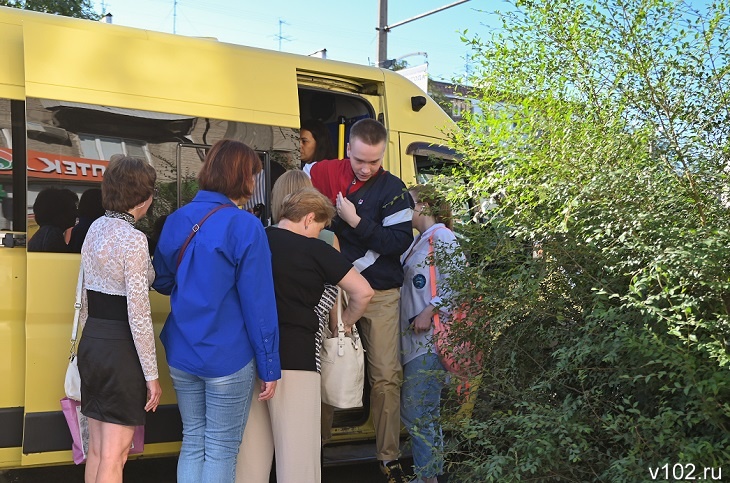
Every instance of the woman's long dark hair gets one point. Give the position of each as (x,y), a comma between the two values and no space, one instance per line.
(324,149)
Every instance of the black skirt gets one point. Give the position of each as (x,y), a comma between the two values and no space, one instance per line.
(113,388)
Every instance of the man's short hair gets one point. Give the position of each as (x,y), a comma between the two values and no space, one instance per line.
(369,131)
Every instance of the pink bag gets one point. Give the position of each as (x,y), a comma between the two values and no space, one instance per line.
(78,424)
(460,359)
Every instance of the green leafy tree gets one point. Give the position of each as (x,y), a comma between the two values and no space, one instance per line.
(599,275)
(441,99)
(68,8)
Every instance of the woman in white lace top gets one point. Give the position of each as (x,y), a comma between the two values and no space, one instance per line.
(117,359)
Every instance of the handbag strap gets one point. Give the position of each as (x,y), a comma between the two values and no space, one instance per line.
(195,229)
(341,327)
(77,310)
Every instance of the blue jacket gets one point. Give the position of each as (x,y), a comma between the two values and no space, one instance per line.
(223,309)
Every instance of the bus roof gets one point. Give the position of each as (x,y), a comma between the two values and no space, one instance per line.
(55,57)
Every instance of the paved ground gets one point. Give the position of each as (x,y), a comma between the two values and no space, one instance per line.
(162,470)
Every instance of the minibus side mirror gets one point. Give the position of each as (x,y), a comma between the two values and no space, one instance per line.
(417,103)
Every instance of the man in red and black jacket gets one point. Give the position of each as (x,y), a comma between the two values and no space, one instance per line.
(374,227)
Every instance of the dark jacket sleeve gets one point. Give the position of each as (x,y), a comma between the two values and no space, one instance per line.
(394,234)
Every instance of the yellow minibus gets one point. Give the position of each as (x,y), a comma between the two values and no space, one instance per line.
(73,93)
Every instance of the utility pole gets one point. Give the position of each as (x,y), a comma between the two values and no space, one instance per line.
(174,16)
(382,32)
(383,28)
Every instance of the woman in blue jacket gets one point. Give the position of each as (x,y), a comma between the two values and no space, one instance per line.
(222,325)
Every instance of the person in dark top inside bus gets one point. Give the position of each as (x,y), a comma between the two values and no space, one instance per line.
(154,237)
(257,202)
(55,212)
(315,144)
(90,208)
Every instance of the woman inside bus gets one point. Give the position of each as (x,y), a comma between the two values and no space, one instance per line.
(90,208)
(117,358)
(55,212)
(423,374)
(315,144)
(290,422)
(222,326)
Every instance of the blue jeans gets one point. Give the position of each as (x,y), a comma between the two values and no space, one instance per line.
(214,411)
(423,379)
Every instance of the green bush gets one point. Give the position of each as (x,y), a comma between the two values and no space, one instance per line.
(599,276)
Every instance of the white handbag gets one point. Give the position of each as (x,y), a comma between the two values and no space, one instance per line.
(343,366)
(73,379)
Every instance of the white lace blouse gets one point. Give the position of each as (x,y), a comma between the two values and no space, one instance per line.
(116,261)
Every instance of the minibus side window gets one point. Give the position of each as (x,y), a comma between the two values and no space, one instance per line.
(70,145)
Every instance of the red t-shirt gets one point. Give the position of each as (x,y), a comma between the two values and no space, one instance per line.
(332,176)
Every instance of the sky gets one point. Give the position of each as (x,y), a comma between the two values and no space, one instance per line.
(346,28)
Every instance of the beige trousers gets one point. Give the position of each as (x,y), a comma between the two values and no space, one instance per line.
(288,423)
(380,331)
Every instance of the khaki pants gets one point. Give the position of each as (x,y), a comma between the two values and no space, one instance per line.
(288,423)
(380,331)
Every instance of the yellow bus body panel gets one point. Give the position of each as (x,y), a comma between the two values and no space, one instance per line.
(218,83)
(11,62)
(48,322)
(430,121)
(12,315)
